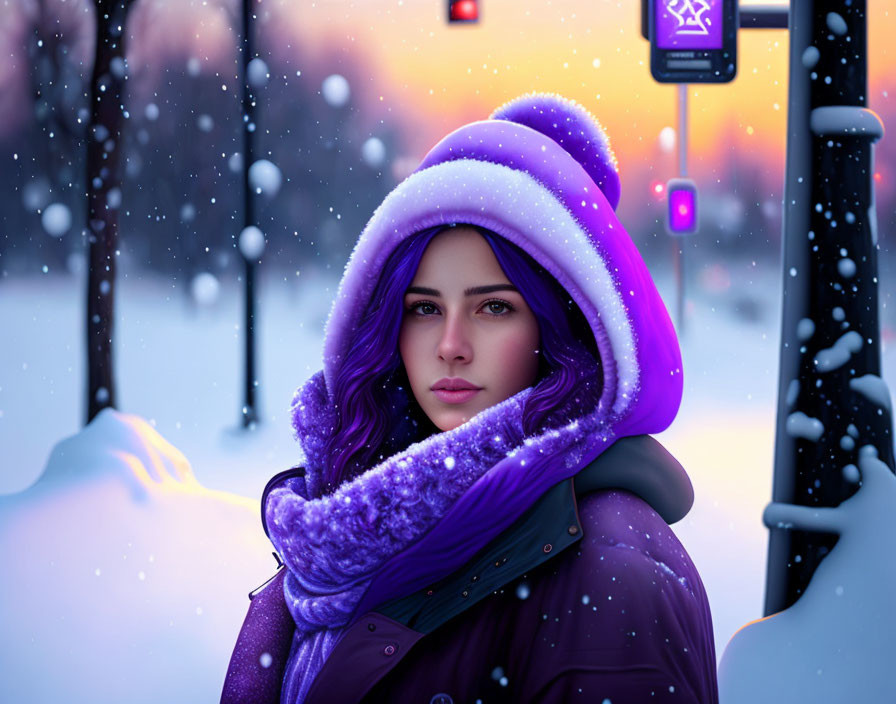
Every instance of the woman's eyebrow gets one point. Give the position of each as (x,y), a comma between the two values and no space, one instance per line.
(474,291)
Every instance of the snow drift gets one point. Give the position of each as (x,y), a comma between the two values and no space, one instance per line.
(836,643)
(124,579)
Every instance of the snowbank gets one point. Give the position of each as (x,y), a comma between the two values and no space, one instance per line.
(124,579)
(836,643)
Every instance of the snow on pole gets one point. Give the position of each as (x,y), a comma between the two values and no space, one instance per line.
(830,323)
(835,644)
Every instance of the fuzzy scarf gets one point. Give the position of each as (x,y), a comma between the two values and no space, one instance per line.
(408,521)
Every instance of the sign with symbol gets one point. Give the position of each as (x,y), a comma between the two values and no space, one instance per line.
(689,24)
(693,41)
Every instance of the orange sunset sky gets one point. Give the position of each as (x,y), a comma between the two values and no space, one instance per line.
(441,76)
(406,62)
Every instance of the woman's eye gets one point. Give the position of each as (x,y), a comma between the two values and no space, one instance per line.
(425,308)
(499,307)
(422,308)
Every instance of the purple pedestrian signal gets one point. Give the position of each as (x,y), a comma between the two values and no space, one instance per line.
(682,200)
(689,24)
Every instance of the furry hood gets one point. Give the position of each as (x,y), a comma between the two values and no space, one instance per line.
(540,173)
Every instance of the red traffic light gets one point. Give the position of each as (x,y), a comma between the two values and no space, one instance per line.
(463,11)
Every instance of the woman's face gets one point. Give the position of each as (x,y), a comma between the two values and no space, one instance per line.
(465,325)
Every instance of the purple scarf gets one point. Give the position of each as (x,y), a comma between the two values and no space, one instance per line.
(408,521)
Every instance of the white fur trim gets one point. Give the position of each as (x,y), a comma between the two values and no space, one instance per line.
(507,201)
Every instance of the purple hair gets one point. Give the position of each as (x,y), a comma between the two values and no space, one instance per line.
(377,413)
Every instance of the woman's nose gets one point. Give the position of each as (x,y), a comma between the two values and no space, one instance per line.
(455,340)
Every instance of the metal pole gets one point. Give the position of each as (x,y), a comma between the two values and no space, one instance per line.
(682,172)
(830,351)
(763,17)
(683,130)
(250,412)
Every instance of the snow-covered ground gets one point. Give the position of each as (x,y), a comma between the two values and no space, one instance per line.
(178,367)
(124,580)
(836,643)
(116,571)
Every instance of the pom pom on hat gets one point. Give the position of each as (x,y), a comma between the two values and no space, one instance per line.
(573,128)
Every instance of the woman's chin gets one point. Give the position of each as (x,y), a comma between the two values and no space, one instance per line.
(454,418)
(446,425)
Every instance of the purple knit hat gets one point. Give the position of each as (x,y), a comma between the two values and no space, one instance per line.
(540,173)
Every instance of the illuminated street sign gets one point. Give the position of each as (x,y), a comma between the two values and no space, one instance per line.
(693,41)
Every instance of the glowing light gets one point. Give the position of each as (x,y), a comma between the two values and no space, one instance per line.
(667,139)
(682,207)
(163,468)
(464,11)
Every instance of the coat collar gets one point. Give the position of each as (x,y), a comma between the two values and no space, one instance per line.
(638,464)
(377,641)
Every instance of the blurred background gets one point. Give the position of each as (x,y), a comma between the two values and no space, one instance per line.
(351,95)
(355,94)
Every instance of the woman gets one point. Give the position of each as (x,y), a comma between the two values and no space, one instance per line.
(480,515)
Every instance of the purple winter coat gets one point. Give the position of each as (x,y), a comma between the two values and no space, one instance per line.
(588,597)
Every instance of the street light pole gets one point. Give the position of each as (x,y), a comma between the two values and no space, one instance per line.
(831,400)
(250,412)
(682,173)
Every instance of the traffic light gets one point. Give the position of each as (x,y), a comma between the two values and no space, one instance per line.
(463,10)
(681,213)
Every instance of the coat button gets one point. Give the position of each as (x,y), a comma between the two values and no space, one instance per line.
(548,547)
(429,592)
(441,699)
(465,593)
(573,530)
(389,650)
(371,627)
(474,578)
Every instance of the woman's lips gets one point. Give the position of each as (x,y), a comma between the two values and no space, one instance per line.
(458,396)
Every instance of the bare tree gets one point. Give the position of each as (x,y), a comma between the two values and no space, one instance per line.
(58,40)
(104,197)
